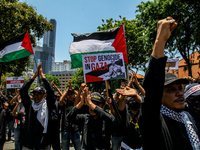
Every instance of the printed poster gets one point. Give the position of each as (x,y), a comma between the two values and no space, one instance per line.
(172,64)
(101,67)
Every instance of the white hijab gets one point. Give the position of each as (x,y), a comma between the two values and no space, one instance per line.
(42,113)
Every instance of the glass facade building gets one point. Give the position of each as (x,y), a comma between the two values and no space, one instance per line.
(47,56)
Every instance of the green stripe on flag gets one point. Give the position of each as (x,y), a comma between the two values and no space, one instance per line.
(15,55)
(77,58)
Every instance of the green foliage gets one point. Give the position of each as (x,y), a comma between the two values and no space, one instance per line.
(15,19)
(3,79)
(8,74)
(51,78)
(33,86)
(185,38)
(77,79)
(137,49)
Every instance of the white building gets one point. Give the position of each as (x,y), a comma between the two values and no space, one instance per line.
(63,71)
(29,74)
(63,66)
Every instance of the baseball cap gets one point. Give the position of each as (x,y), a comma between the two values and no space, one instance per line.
(171,78)
(39,89)
(130,100)
(192,90)
(70,91)
(95,96)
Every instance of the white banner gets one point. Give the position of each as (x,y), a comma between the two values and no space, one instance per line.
(172,64)
(100,67)
(14,82)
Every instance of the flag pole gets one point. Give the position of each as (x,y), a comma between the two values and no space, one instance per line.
(107,88)
(127,64)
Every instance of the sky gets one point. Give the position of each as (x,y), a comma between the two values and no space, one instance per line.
(80,16)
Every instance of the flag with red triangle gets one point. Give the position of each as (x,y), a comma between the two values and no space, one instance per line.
(107,41)
(16,48)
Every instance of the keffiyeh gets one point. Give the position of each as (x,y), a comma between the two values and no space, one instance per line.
(42,113)
(183,118)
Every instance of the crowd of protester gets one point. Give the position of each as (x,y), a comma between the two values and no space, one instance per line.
(161,113)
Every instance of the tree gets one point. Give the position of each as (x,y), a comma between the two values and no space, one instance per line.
(77,78)
(15,19)
(137,49)
(33,85)
(51,78)
(185,38)
(3,79)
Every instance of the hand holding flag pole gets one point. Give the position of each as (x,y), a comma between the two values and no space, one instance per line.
(107,87)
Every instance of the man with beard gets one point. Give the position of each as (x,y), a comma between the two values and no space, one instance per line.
(69,130)
(163,123)
(192,96)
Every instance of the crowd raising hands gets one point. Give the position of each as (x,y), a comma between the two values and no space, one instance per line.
(162,112)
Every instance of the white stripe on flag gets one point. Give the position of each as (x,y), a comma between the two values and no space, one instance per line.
(88,46)
(11,48)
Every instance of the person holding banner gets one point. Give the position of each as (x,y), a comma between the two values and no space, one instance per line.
(163,122)
(98,125)
(37,129)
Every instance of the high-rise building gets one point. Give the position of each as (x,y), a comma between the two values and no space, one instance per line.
(36,58)
(47,56)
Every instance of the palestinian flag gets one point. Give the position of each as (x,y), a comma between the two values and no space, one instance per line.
(16,48)
(107,41)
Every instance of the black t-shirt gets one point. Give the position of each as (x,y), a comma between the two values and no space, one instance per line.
(20,119)
(132,136)
(66,125)
(98,134)
(9,117)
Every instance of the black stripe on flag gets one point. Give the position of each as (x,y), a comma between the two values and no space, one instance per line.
(12,41)
(99,35)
